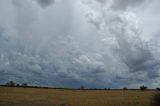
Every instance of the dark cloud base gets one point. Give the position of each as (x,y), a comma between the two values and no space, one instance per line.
(45,3)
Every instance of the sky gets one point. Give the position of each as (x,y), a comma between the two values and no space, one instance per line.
(70,43)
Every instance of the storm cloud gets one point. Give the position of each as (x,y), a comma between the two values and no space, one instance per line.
(121,28)
(95,43)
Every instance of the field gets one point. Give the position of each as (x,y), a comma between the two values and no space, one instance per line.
(62,97)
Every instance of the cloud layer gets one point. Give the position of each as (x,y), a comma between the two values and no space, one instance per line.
(95,43)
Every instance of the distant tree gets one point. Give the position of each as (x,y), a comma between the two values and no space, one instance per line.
(158,89)
(105,88)
(24,85)
(82,87)
(94,88)
(125,88)
(143,88)
(11,84)
(17,85)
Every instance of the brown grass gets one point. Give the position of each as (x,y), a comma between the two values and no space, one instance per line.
(53,97)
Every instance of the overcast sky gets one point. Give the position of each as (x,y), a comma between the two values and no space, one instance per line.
(69,43)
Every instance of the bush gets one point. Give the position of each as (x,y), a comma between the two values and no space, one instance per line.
(156,100)
(82,88)
(105,88)
(143,88)
(125,88)
(11,84)
(24,85)
(158,89)
(17,85)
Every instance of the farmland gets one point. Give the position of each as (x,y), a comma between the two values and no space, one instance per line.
(63,97)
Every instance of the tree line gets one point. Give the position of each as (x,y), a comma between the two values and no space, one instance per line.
(13,84)
(25,85)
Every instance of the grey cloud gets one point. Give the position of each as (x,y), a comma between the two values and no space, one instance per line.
(133,52)
(102,1)
(122,4)
(139,58)
(23,58)
(45,3)
(17,3)
(125,4)
(64,50)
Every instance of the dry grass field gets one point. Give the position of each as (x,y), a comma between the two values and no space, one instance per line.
(60,97)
